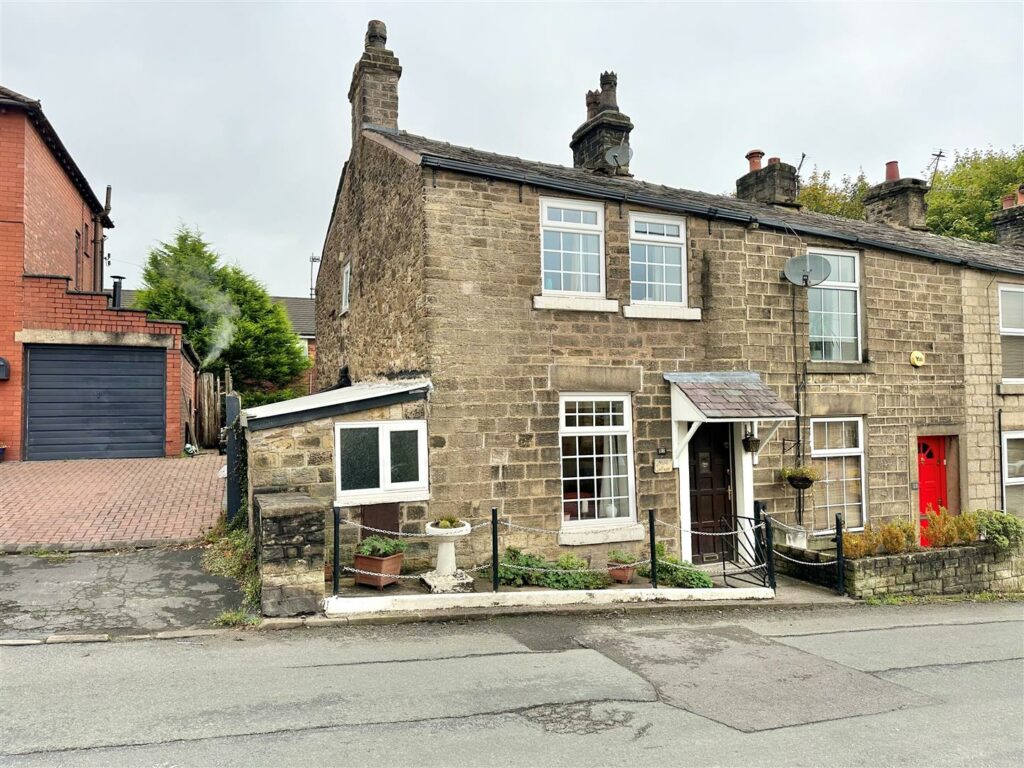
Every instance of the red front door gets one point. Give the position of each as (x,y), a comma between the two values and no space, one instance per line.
(931,475)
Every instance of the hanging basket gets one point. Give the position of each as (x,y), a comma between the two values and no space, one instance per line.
(751,444)
(800,482)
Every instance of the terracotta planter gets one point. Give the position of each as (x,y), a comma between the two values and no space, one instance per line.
(800,483)
(385,570)
(623,574)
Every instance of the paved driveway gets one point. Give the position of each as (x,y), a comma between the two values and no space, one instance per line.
(97,504)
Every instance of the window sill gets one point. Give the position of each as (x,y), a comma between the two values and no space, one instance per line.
(377,496)
(575,303)
(1011,388)
(828,368)
(661,312)
(580,536)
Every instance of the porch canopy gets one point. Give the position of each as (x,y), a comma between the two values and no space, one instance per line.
(723,396)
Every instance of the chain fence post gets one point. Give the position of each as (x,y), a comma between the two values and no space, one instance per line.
(769,543)
(840,559)
(494,549)
(654,549)
(336,576)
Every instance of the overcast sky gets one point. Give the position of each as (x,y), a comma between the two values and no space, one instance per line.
(235,118)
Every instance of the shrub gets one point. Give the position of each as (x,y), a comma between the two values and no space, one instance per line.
(1002,529)
(941,530)
(966,524)
(618,557)
(862,544)
(577,576)
(378,546)
(448,521)
(673,572)
(518,576)
(898,536)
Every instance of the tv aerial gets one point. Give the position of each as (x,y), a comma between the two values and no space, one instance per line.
(807,270)
(619,156)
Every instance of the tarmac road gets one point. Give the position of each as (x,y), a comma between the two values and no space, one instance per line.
(912,685)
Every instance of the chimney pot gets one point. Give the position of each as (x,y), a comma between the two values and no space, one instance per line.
(754,158)
(892,170)
(376,34)
(774,160)
(593,103)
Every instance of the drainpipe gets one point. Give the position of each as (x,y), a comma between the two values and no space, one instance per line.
(97,244)
(999,453)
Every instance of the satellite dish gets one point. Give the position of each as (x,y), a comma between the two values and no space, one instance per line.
(807,270)
(619,156)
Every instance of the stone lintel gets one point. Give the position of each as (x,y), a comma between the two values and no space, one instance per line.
(103,338)
(595,378)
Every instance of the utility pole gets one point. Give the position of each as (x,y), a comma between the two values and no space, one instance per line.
(936,159)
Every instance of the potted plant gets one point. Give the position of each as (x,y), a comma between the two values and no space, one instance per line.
(801,477)
(380,559)
(621,566)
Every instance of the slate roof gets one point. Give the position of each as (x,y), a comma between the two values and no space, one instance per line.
(34,111)
(440,154)
(301,311)
(737,395)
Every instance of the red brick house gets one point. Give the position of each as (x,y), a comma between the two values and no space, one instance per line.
(79,376)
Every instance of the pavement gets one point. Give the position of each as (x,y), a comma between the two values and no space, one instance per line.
(98,504)
(928,685)
(112,593)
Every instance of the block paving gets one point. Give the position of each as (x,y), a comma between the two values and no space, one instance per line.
(105,503)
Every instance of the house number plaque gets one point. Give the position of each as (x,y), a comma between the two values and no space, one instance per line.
(662,465)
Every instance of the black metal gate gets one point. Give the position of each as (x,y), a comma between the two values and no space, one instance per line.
(744,551)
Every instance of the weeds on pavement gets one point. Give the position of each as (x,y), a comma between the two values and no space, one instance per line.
(231,552)
(974,597)
(53,557)
(237,618)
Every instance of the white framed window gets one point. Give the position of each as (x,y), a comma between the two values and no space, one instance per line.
(304,344)
(833,309)
(572,248)
(1011,331)
(1013,473)
(596,437)
(657,259)
(837,449)
(380,461)
(346,285)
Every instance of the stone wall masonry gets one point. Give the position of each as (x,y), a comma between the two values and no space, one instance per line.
(300,459)
(496,410)
(290,550)
(378,228)
(977,568)
(985,393)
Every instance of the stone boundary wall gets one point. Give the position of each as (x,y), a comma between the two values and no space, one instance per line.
(290,550)
(821,575)
(975,568)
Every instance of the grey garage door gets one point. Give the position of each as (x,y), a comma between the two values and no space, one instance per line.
(95,402)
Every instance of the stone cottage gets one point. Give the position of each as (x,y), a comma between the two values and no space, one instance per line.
(583,346)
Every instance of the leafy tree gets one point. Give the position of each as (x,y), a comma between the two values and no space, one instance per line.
(964,197)
(230,317)
(846,199)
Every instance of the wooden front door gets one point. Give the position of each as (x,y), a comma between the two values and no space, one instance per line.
(711,508)
(931,476)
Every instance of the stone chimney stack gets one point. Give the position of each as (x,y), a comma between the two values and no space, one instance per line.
(605,127)
(1009,222)
(897,201)
(774,183)
(374,89)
